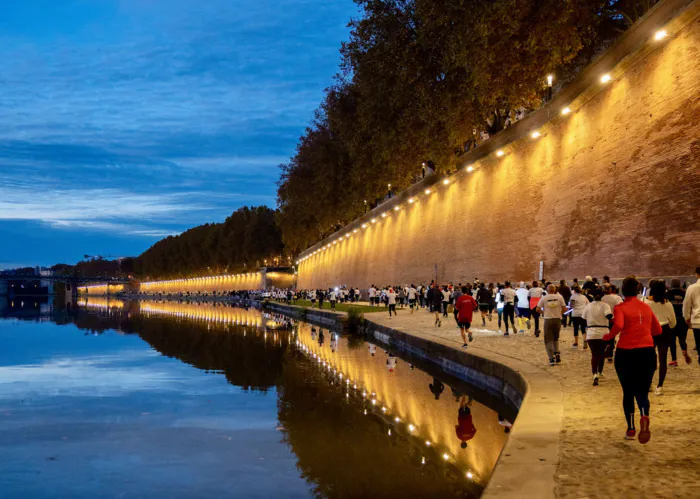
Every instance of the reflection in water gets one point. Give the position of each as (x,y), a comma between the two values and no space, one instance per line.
(361,421)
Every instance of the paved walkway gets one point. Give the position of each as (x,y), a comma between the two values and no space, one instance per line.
(594,459)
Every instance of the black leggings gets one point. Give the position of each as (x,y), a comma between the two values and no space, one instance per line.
(661,342)
(681,333)
(536,316)
(579,323)
(597,355)
(509,314)
(392,308)
(635,368)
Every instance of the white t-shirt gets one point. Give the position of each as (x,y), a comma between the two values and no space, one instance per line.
(579,303)
(523,301)
(391,295)
(612,300)
(372,292)
(552,306)
(597,322)
(445,295)
(411,293)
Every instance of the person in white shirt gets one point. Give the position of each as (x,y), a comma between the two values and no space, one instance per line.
(534,295)
(508,298)
(613,300)
(663,310)
(691,309)
(597,315)
(372,295)
(523,305)
(578,303)
(552,307)
(333,297)
(412,293)
(445,300)
(391,300)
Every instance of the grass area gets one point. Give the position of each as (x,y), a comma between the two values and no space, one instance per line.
(340,307)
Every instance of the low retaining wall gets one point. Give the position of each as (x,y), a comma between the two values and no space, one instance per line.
(332,320)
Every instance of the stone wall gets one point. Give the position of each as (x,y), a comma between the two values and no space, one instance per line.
(612,188)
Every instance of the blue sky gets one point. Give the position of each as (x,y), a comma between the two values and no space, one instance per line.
(123,121)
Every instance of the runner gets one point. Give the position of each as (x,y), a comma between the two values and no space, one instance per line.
(523,304)
(434,299)
(635,358)
(691,309)
(663,310)
(676,296)
(508,296)
(465,305)
(445,300)
(499,306)
(578,303)
(552,307)
(332,298)
(597,315)
(372,295)
(412,293)
(534,295)
(391,301)
(483,297)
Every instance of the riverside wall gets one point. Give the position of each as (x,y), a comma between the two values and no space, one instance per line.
(612,188)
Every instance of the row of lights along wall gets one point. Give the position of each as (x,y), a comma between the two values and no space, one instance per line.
(605,78)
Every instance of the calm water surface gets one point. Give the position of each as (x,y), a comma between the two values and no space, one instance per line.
(165,399)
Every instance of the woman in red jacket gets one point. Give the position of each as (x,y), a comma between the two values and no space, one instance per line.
(635,357)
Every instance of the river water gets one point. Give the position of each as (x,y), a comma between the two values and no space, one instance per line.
(166,399)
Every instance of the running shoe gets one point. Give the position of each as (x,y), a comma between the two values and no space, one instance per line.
(557,358)
(575,345)
(506,334)
(687,358)
(528,323)
(631,434)
(551,361)
(439,323)
(644,432)
(673,363)
(585,345)
(658,390)
(595,380)
(465,345)
(537,334)
(471,337)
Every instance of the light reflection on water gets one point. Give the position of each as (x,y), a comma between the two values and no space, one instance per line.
(288,416)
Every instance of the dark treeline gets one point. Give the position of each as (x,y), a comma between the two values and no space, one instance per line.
(427,80)
(245,240)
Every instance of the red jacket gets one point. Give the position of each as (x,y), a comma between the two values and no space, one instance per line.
(466,305)
(636,324)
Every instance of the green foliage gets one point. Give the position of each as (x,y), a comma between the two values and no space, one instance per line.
(421,80)
(243,241)
(355,319)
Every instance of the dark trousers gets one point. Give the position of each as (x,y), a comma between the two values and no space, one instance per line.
(579,324)
(661,342)
(680,333)
(536,316)
(444,308)
(696,335)
(392,308)
(509,314)
(332,303)
(635,369)
(597,355)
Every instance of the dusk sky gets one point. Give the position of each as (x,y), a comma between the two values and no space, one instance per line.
(123,121)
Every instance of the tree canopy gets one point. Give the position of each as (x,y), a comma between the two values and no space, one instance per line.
(426,80)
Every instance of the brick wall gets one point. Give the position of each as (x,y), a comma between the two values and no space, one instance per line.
(614,188)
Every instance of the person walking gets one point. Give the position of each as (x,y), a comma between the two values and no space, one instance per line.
(465,305)
(691,309)
(391,300)
(321,296)
(597,315)
(523,304)
(552,307)
(635,357)
(663,310)
(483,298)
(372,292)
(499,306)
(534,295)
(332,298)
(412,293)
(578,303)
(508,296)
(445,300)
(610,297)
(676,295)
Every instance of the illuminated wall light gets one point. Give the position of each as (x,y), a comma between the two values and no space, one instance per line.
(411,200)
(374,401)
(445,182)
(566,111)
(470,475)
(374,220)
(397,419)
(446,456)
(660,35)
(499,153)
(428,191)
(355,230)
(427,442)
(535,135)
(347,235)
(550,79)
(411,428)
(364,226)
(422,461)
(470,169)
(605,78)
(397,208)
(389,432)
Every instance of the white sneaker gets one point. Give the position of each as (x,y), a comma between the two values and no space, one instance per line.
(658,391)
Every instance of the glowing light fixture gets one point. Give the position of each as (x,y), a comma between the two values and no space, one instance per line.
(374,220)
(397,419)
(470,475)
(397,208)
(605,78)
(389,432)
(355,230)
(411,428)
(446,181)
(427,442)
(550,79)
(446,456)
(566,111)
(535,135)
(383,215)
(470,169)
(422,461)
(428,191)
(411,200)
(660,35)
(499,153)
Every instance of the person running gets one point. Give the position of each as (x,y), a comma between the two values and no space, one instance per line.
(391,301)
(578,303)
(663,310)
(635,357)
(597,315)
(445,300)
(534,295)
(676,296)
(456,293)
(492,300)
(610,297)
(691,308)
(412,293)
(499,306)
(372,295)
(434,299)
(508,295)
(321,296)
(565,292)
(523,304)
(552,307)
(465,306)
(332,298)
(483,297)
